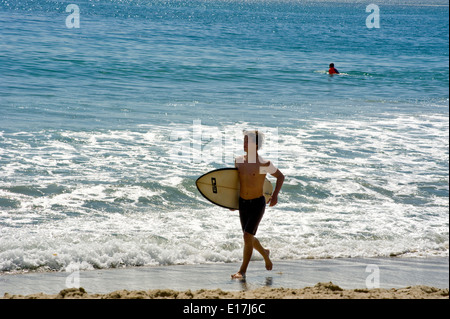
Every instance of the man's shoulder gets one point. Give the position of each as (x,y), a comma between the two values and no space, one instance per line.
(267,167)
(239,159)
(263,162)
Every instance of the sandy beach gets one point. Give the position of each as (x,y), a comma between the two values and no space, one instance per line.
(373,278)
(319,291)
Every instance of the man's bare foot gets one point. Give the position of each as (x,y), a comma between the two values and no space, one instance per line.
(269,264)
(238,275)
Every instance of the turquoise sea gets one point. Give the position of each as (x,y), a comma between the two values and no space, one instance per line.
(105,126)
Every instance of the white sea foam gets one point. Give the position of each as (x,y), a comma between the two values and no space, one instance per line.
(105,199)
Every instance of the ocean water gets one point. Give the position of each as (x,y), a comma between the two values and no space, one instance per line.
(105,128)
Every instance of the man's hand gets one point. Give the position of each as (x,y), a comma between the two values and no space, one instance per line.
(280,180)
(273,200)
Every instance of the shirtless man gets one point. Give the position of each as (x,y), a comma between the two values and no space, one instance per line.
(252,173)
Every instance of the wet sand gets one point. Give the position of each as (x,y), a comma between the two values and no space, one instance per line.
(376,278)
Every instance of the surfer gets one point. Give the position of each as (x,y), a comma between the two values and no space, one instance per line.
(332,69)
(252,173)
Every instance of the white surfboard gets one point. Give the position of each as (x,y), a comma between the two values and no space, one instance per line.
(221,187)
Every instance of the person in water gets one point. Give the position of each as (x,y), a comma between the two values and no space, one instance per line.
(332,69)
(252,170)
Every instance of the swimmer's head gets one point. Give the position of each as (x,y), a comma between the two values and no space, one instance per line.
(331,65)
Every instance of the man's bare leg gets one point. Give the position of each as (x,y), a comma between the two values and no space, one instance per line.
(250,243)
(248,251)
(264,252)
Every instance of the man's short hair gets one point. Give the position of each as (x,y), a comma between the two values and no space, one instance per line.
(256,137)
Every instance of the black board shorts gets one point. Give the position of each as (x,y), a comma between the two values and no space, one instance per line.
(251,212)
